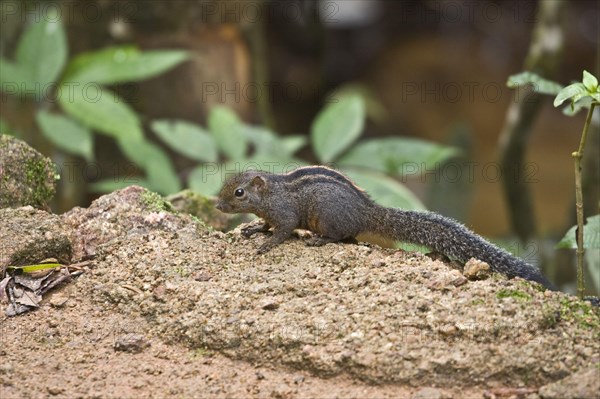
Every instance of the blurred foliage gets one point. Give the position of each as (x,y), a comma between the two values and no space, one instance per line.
(225,145)
(334,133)
(581,94)
(591,236)
(41,66)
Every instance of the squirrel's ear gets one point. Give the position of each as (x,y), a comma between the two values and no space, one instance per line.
(259,182)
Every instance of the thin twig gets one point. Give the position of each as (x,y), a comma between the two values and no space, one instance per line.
(577,155)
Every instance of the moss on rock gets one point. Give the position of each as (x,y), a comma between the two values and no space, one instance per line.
(26,176)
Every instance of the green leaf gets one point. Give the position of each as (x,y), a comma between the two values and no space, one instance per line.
(337,126)
(385,190)
(122,64)
(14,79)
(274,163)
(569,92)
(67,134)
(540,85)
(291,144)
(374,108)
(187,139)
(35,268)
(592,260)
(206,179)
(160,173)
(591,235)
(262,139)
(410,247)
(42,51)
(266,142)
(100,109)
(396,155)
(110,185)
(574,108)
(590,81)
(228,131)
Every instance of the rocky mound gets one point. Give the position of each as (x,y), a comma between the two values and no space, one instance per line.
(382,316)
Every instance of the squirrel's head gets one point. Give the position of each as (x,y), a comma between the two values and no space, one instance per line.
(241,193)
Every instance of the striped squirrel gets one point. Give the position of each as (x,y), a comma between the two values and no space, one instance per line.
(326,202)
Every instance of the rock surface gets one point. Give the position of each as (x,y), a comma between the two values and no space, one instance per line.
(375,315)
(582,384)
(29,236)
(26,176)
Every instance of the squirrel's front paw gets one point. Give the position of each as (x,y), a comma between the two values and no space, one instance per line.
(249,231)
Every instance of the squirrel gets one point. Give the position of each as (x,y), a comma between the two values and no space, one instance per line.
(326,202)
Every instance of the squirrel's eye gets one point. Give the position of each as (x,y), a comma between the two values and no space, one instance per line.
(239,192)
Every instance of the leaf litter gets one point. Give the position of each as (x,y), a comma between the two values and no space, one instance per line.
(23,287)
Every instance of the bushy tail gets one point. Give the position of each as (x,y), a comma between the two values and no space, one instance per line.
(452,239)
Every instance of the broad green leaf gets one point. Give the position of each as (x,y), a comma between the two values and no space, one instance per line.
(110,185)
(574,108)
(410,247)
(398,155)
(160,173)
(67,134)
(591,235)
(337,126)
(42,51)
(262,139)
(206,179)
(14,79)
(590,81)
(228,131)
(122,64)
(569,92)
(592,260)
(540,85)
(291,144)
(374,108)
(266,142)
(384,190)
(100,109)
(274,163)
(187,138)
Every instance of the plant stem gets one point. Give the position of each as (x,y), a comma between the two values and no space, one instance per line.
(520,118)
(577,155)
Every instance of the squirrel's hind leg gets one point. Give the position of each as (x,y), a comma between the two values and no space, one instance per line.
(318,241)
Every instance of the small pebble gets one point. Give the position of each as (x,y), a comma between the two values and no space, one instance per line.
(132,343)
(55,390)
(476,270)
